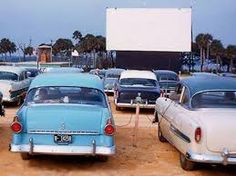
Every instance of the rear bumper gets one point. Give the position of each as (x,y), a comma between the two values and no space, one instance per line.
(223,158)
(109,91)
(63,149)
(130,105)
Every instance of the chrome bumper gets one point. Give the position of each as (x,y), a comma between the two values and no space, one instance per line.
(108,90)
(63,150)
(224,158)
(129,105)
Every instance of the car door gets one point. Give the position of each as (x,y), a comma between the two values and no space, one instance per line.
(24,81)
(166,110)
(179,112)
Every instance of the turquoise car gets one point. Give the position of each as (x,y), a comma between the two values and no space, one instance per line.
(64,114)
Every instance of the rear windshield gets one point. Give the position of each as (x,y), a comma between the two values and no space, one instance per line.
(167,77)
(167,85)
(71,95)
(8,76)
(138,82)
(217,99)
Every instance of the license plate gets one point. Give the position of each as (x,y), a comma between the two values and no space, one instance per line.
(62,138)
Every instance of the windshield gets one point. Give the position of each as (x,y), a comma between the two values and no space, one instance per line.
(167,77)
(216,99)
(113,75)
(138,81)
(71,95)
(8,76)
(167,85)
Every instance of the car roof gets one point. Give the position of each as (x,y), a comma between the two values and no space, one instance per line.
(200,84)
(68,79)
(12,69)
(164,72)
(138,74)
(203,74)
(63,70)
(114,70)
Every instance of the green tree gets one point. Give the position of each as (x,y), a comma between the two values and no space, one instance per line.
(230,53)
(217,50)
(77,36)
(203,42)
(28,50)
(63,47)
(6,46)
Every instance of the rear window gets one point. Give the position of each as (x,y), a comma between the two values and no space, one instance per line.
(167,77)
(216,99)
(138,82)
(68,95)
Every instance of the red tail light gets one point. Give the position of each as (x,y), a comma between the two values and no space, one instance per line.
(198,134)
(109,128)
(16,126)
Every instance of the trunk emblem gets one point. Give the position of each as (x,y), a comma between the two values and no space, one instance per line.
(63,126)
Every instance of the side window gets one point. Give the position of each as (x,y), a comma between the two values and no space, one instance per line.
(177,94)
(184,97)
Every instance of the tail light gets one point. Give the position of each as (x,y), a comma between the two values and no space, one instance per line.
(198,134)
(109,128)
(16,126)
(162,93)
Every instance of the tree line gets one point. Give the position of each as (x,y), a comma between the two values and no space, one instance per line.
(207,47)
(204,46)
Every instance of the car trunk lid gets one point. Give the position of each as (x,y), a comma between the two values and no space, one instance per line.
(220,128)
(69,119)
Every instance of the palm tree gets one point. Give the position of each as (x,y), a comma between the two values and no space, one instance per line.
(217,50)
(200,42)
(77,36)
(203,42)
(230,53)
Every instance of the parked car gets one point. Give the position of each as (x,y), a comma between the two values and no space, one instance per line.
(205,74)
(14,83)
(232,75)
(199,120)
(62,70)
(2,111)
(134,83)
(167,80)
(64,114)
(100,72)
(111,77)
(33,72)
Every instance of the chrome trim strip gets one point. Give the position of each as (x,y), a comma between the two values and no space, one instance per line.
(64,150)
(129,105)
(179,134)
(63,132)
(214,158)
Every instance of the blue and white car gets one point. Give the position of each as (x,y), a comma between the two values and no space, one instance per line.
(14,83)
(64,114)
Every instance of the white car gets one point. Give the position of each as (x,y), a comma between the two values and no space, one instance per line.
(14,83)
(134,83)
(199,120)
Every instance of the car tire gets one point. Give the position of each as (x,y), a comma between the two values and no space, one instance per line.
(160,136)
(102,158)
(18,102)
(25,156)
(186,164)
(118,108)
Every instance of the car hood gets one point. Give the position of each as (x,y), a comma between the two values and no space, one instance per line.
(219,127)
(65,118)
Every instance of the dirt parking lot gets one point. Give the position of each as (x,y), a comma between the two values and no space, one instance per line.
(150,157)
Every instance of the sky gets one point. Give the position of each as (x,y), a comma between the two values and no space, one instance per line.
(44,20)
